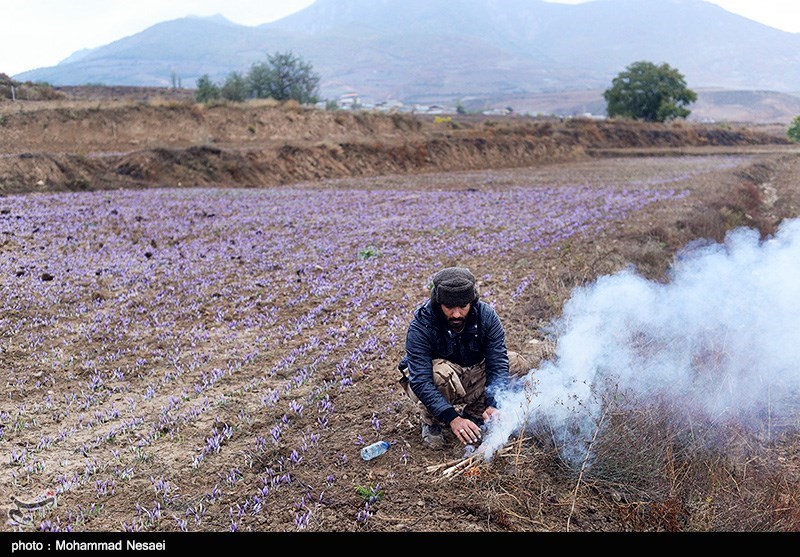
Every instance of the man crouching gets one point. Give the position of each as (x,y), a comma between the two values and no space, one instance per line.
(456,355)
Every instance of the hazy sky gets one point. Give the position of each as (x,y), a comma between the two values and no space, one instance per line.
(41,33)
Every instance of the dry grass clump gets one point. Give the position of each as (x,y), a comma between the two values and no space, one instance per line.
(652,467)
(672,471)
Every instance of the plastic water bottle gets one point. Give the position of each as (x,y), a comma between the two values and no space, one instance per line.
(375,450)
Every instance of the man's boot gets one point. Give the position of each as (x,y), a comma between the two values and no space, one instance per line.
(432,436)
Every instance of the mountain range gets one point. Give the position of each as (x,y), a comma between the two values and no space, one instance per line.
(444,50)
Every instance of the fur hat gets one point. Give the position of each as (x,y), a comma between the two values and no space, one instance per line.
(454,286)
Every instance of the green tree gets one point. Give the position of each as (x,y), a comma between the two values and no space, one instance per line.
(794,130)
(235,88)
(283,77)
(648,92)
(205,90)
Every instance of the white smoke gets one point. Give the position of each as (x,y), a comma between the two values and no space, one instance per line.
(721,337)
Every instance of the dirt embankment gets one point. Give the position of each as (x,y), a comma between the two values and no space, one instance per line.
(99,144)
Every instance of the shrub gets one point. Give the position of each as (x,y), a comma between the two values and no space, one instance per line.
(206,90)
(234,88)
(794,130)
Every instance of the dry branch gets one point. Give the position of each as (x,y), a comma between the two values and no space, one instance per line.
(453,468)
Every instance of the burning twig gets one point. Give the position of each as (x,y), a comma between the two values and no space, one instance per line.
(462,466)
(468,464)
(435,467)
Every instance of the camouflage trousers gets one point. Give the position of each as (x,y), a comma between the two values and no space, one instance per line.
(463,386)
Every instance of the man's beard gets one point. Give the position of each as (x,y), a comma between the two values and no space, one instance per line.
(456,324)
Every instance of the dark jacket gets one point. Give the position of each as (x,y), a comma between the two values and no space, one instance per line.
(429,337)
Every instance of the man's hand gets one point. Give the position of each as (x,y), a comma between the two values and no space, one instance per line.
(490,413)
(465,430)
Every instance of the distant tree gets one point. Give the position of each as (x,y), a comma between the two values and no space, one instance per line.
(794,130)
(205,90)
(258,79)
(283,77)
(648,92)
(235,88)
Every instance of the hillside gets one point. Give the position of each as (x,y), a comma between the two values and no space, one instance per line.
(425,51)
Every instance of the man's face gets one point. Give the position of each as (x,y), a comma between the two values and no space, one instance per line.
(456,316)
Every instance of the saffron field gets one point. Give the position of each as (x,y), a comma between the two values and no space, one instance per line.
(214,359)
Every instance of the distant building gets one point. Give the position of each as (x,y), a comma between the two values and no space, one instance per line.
(438,109)
(432,109)
(389,106)
(349,101)
(497,112)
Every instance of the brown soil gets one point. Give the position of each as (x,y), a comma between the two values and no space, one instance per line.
(135,139)
(128,448)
